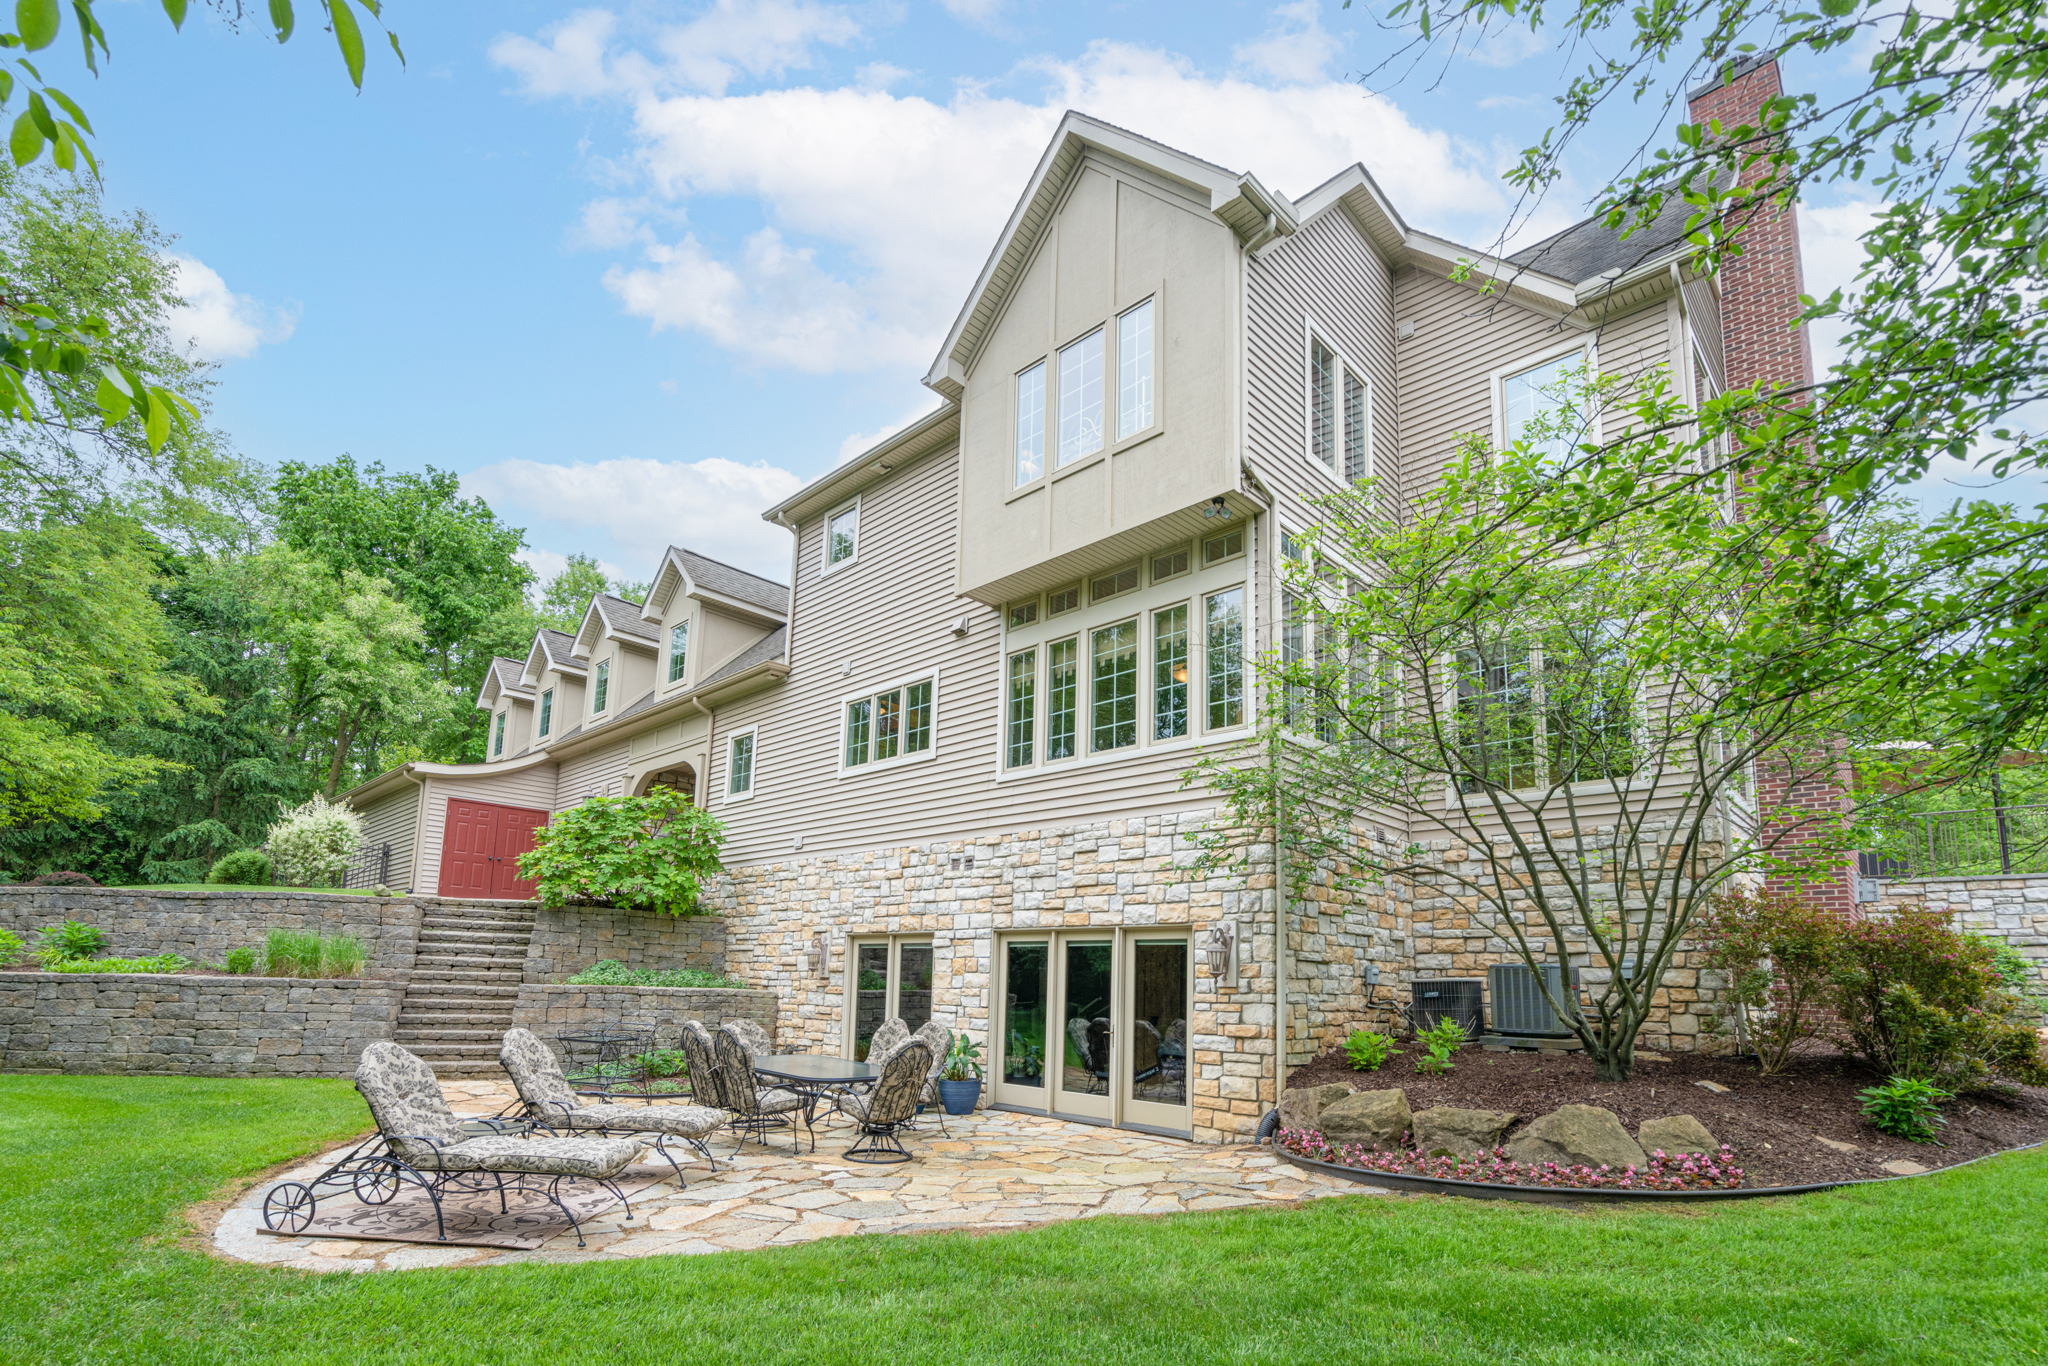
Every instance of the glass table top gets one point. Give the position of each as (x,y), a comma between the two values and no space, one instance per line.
(815,1067)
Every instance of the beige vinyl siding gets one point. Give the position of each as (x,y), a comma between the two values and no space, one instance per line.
(599,772)
(718,637)
(1703,311)
(394,819)
(891,617)
(1327,276)
(533,788)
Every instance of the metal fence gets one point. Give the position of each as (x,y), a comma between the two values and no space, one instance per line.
(371,867)
(1980,843)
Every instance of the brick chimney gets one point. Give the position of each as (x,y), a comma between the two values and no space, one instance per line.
(1760,292)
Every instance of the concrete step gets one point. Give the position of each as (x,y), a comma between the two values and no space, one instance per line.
(445,1003)
(467,958)
(478,1049)
(497,972)
(437,1035)
(435,924)
(496,1025)
(462,939)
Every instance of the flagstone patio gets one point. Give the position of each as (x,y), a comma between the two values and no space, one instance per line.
(996,1171)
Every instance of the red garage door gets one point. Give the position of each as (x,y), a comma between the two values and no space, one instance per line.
(480,849)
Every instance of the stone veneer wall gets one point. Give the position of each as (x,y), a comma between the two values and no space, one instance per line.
(548,1009)
(203,926)
(569,940)
(2014,909)
(961,893)
(198,1026)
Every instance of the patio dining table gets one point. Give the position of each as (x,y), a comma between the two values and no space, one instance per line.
(814,1076)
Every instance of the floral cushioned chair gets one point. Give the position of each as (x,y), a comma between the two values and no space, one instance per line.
(890,1106)
(546,1100)
(755,1108)
(420,1142)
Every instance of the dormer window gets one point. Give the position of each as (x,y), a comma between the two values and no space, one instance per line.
(498,736)
(600,686)
(678,650)
(547,712)
(842,535)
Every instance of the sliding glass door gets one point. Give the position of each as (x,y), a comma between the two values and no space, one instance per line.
(1093,1024)
(891,977)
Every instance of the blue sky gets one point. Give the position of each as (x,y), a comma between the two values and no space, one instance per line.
(636,272)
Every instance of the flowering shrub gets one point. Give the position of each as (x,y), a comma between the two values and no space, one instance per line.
(1781,953)
(1672,1172)
(310,845)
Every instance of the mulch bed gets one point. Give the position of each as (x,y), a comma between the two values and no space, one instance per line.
(1774,1123)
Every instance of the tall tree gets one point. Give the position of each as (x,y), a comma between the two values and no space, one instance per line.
(566,597)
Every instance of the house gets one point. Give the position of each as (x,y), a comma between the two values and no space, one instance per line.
(949,752)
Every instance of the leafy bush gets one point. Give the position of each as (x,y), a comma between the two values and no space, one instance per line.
(240,962)
(1782,953)
(62,879)
(161,962)
(1367,1050)
(2016,974)
(648,853)
(963,1059)
(664,1062)
(1905,1107)
(1917,998)
(310,845)
(12,950)
(1439,1042)
(71,940)
(243,868)
(610,972)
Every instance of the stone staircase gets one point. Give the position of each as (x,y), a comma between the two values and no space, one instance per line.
(464,984)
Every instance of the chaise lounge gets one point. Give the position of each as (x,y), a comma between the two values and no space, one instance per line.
(546,1100)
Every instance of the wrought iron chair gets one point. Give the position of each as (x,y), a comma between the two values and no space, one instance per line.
(891,1107)
(752,1037)
(756,1109)
(546,1100)
(419,1142)
(892,1035)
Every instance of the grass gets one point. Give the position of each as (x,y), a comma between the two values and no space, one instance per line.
(94,1172)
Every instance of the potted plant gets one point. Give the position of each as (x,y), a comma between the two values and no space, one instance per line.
(960,1083)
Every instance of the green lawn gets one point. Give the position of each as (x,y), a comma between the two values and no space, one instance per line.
(94,1172)
(240,887)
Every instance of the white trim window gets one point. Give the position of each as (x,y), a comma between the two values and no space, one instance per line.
(1357,428)
(1113,687)
(1529,715)
(600,685)
(1322,403)
(547,712)
(842,535)
(1062,696)
(893,725)
(1030,423)
(1134,389)
(1546,394)
(1080,398)
(1223,657)
(498,736)
(1339,413)
(740,753)
(678,650)
(1020,708)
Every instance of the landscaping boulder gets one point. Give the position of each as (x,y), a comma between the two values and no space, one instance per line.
(1375,1119)
(1447,1128)
(1302,1107)
(1577,1135)
(1676,1134)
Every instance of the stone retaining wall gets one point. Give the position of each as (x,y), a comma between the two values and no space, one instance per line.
(569,940)
(197,1026)
(203,926)
(2014,909)
(548,1009)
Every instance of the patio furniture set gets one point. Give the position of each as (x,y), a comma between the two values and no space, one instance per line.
(551,1135)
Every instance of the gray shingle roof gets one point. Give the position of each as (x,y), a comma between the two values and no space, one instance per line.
(623,615)
(1589,247)
(507,671)
(771,646)
(561,645)
(724,579)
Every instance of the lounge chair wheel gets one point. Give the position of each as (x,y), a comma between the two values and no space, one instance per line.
(289,1207)
(375,1185)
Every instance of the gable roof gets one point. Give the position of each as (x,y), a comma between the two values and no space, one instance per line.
(717,578)
(623,615)
(503,676)
(1248,208)
(771,646)
(1589,248)
(552,649)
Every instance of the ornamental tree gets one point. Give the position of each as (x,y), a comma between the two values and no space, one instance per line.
(1584,721)
(648,853)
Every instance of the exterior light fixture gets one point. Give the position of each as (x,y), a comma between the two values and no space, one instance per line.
(1217,509)
(816,953)
(1218,951)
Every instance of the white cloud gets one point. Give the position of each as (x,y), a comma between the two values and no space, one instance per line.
(1506,44)
(1296,50)
(545,564)
(1831,251)
(983,14)
(215,322)
(582,56)
(857,443)
(627,511)
(877,209)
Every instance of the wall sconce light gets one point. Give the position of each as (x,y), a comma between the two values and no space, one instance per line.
(1218,951)
(816,954)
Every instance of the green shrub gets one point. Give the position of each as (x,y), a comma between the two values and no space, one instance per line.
(243,868)
(648,853)
(12,950)
(71,940)
(663,1062)
(162,962)
(1367,1050)
(1440,1041)
(1905,1107)
(610,972)
(240,962)
(291,953)
(342,956)
(310,845)
(1917,998)
(1782,954)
